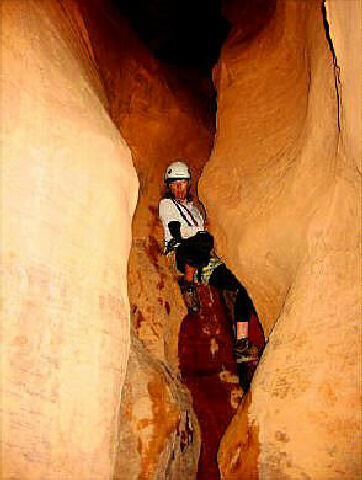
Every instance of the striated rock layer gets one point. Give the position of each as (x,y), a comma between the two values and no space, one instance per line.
(68,195)
(285,212)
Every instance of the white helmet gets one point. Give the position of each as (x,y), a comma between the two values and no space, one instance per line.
(177,171)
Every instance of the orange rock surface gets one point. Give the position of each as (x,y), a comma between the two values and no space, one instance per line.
(69,190)
(285,213)
(159,433)
(281,189)
(160,120)
(209,371)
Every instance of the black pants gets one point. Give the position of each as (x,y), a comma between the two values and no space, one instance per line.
(196,252)
(223,279)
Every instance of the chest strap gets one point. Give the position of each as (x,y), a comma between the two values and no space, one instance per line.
(178,206)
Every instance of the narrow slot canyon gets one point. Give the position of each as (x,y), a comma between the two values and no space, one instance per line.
(105,373)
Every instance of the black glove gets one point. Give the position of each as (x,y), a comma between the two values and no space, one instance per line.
(172,244)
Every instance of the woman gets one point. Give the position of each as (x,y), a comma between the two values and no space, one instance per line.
(184,228)
(184,233)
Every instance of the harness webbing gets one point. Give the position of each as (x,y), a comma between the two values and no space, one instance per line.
(178,206)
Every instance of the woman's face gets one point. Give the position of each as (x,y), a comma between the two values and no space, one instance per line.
(179,189)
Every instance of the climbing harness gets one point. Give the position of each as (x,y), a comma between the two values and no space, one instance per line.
(202,275)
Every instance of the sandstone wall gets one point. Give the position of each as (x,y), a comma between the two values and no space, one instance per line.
(159,433)
(68,194)
(344,19)
(161,119)
(285,212)
(281,188)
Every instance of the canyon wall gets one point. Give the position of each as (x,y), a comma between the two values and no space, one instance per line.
(161,120)
(69,191)
(286,219)
(84,66)
(282,191)
(159,435)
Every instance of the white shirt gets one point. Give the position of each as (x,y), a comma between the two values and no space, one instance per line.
(185,212)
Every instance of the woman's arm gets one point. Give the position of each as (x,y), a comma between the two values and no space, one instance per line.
(167,214)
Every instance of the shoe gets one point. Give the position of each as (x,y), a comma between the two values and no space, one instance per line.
(245,351)
(191,298)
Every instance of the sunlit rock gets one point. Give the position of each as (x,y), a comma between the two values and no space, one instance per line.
(285,212)
(69,190)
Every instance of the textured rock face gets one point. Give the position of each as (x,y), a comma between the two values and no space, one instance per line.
(286,217)
(160,120)
(282,191)
(159,433)
(208,369)
(68,194)
(344,29)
